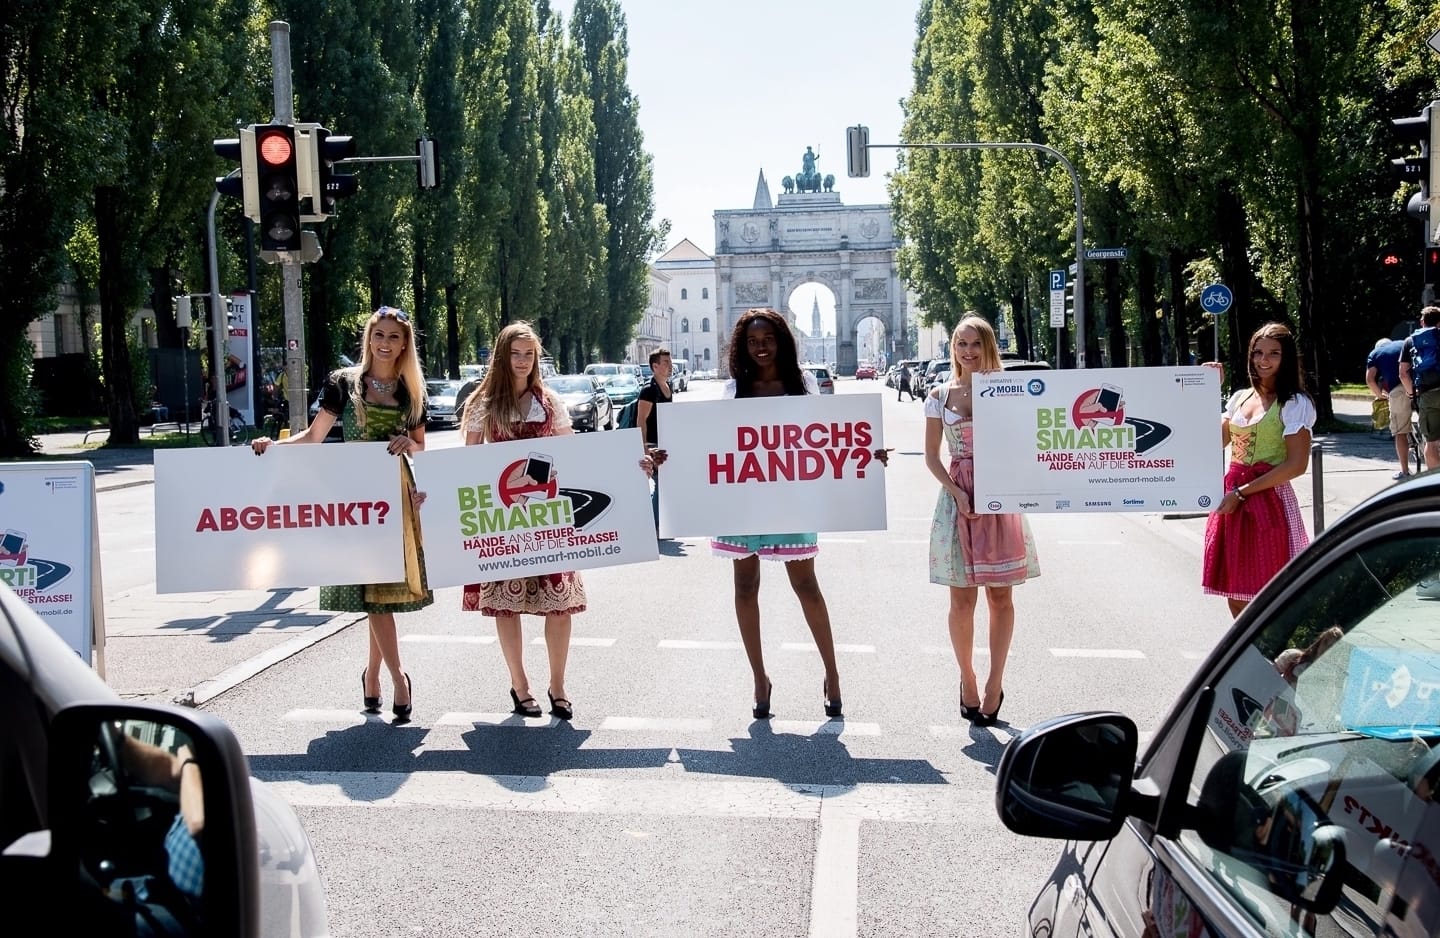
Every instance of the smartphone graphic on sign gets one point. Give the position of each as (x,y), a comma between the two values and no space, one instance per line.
(1110,397)
(12,546)
(538,467)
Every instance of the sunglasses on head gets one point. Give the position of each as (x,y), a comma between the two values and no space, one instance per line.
(399,315)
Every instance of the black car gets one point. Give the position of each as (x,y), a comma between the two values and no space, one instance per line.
(589,405)
(1294,788)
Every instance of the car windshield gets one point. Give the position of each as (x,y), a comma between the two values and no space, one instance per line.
(623,382)
(442,388)
(571,384)
(819,373)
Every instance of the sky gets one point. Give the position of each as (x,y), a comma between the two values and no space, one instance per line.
(730,87)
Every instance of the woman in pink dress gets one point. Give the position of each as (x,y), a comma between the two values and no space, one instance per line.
(970,550)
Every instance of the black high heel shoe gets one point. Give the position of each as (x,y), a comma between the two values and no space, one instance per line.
(533,710)
(372,704)
(761,709)
(988,719)
(560,707)
(967,712)
(402,711)
(833,708)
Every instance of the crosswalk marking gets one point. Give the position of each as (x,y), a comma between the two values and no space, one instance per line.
(843,649)
(824,727)
(449,639)
(835,880)
(341,717)
(462,718)
(692,645)
(948,651)
(1097,653)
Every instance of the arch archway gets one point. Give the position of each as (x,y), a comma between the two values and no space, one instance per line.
(810,307)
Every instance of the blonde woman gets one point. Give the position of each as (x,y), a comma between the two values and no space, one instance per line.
(380,399)
(969,550)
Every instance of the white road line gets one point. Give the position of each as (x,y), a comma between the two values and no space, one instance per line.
(690,645)
(897,540)
(825,727)
(340,717)
(462,718)
(662,724)
(579,642)
(449,639)
(948,651)
(1097,653)
(845,649)
(835,888)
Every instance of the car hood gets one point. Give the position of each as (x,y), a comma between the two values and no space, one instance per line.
(292,897)
(442,400)
(575,397)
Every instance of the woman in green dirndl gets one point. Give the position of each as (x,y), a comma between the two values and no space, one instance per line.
(380,399)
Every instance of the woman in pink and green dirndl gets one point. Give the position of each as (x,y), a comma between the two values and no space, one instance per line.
(969,550)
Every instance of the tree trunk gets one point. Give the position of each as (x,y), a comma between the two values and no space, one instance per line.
(1178,307)
(452,329)
(114,318)
(1115,317)
(1151,349)
(1236,274)
(162,302)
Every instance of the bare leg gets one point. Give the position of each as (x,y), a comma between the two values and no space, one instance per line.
(1002,629)
(507,630)
(1237,606)
(817,616)
(962,639)
(1432,454)
(1402,451)
(557,645)
(747,616)
(385,647)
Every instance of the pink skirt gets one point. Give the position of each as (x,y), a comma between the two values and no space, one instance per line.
(1246,548)
(989,550)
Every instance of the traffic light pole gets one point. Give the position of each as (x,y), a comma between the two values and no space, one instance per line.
(296,393)
(219,329)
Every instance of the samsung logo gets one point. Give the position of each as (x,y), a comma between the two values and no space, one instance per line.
(1097,504)
(1133,501)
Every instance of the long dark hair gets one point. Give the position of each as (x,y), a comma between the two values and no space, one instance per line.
(1289,377)
(787,357)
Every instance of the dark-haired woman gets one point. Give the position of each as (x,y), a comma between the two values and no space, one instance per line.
(1257,528)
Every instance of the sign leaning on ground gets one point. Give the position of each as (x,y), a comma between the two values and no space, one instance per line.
(1105,439)
(49,553)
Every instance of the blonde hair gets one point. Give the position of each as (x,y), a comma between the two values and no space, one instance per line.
(408,368)
(989,347)
(496,397)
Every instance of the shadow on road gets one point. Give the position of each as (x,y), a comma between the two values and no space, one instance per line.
(820,758)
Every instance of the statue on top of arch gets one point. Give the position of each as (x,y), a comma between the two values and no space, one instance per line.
(809,178)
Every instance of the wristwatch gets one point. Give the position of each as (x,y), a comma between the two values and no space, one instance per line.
(1238,494)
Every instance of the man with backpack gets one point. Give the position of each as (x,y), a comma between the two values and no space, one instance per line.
(1420,374)
(1390,400)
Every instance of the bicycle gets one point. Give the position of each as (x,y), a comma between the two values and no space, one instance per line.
(209,431)
(1417,438)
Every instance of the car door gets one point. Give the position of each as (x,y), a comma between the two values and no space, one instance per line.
(1299,779)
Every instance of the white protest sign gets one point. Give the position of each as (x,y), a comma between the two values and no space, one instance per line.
(771,465)
(530,507)
(47,514)
(1103,439)
(298,515)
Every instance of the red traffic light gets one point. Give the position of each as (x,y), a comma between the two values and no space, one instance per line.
(276,148)
(1390,260)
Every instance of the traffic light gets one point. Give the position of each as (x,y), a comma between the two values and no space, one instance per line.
(279,187)
(1424,131)
(427,169)
(242,150)
(1432,266)
(857,151)
(329,150)
(1394,259)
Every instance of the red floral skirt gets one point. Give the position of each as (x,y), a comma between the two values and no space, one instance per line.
(554,594)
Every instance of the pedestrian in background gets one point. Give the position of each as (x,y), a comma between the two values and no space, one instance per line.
(764,362)
(1382,376)
(652,395)
(1420,374)
(1256,528)
(378,400)
(513,403)
(969,550)
(903,385)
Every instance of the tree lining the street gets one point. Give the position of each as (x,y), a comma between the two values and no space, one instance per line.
(1217,142)
(107,169)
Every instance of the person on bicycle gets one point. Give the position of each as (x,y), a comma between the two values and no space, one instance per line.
(1382,375)
(1420,374)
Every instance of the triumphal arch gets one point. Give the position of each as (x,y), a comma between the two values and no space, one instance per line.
(808,235)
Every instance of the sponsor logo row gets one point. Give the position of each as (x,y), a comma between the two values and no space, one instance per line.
(1064,504)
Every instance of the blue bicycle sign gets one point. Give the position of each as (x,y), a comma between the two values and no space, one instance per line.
(1216,299)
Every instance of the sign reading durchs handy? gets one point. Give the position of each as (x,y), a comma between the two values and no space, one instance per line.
(771,465)
(297,516)
(1107,439)
(531,507)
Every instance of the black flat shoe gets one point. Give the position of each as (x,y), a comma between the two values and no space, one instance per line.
(761,709)
(988,719)
(833,708)
(527,707)
(372,704)
(560,707)
(402,711)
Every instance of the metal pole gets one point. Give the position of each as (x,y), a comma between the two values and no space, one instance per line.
(296,393)
(1215,320)
(218,330)
(1317,486)
(1079,217)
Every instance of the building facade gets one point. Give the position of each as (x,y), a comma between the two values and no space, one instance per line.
(694,330)
(653,329)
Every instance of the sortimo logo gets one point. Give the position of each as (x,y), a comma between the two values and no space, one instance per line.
(1036,387)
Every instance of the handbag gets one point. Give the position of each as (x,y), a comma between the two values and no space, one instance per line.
(1380,413)
(412,588)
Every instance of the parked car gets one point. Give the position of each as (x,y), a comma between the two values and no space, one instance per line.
(865,372)
(91,814)
(623,388)
(679,374)
(1294,787)
(938,378)
(1019,364)
(589,405)
(823,377)
(444,401)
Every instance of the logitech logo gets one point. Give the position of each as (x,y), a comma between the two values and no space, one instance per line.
(1029,504)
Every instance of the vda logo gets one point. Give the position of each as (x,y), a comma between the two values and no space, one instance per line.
(1169,503)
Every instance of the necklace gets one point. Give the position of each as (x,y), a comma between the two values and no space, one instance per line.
(964,389)
(384,387)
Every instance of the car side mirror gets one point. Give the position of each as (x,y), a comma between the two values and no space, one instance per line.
(1069,777)
(152,822)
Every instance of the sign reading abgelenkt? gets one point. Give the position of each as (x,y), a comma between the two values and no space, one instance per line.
(1105,439)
